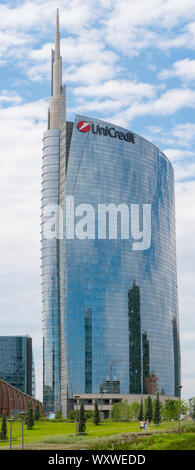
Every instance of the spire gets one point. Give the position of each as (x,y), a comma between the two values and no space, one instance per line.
(57,38)
(57,102)
(57,66)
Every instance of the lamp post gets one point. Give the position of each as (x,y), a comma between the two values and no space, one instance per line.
(11,420)
(76,398)
(22,413)
(101,404)
(179,406)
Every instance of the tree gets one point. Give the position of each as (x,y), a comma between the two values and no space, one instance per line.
(141,411)
(134,410)
(193,411)
(82,419)
(72,415)
(29,416)
(3,434)
(96,416)
(116,412)
(157,413)
(170,409)
(37,413)
(149,412)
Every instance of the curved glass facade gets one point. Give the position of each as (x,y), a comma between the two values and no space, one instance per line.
(109,290)
(120,304)
(50,275)
(110,314)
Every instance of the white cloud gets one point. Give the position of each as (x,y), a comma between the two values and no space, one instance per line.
(8,97)
(117,89)
(181,135)
(175,154)
(21,129)
(183,69)
(184,134)
(185,203)
(185,38)
(168,103)
(90,73)
(131,29)
(184,172)
(29,15)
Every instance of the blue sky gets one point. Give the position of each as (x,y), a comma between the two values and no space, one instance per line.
(129,62)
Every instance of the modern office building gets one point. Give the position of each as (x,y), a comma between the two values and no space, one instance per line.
(109,281)
(17,364)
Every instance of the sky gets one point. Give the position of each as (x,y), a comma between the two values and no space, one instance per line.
(130,63)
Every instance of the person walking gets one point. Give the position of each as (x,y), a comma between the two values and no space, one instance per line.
(141,426)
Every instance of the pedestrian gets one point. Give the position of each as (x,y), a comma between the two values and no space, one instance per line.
(147,424)
(141,426)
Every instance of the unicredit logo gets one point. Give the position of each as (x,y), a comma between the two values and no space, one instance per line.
(83,126)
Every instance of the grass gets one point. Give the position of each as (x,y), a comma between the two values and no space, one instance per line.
(108,435)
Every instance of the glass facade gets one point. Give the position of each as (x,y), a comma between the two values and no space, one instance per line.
(16,363)
(50,275)
(111,307)
(131,294)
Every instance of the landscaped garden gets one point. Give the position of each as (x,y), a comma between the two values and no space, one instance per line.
(120,432)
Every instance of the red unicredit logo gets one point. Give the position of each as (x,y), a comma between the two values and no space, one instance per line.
(83,126)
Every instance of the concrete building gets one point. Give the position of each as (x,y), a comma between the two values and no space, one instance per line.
(107,400)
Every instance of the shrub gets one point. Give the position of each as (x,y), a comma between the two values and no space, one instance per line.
(82,419)
(29,416)
(3,434)
(96,416)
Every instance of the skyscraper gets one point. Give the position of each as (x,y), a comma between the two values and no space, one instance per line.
(17,364)
(109,290)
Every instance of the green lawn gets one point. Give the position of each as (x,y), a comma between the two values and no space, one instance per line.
(64,432)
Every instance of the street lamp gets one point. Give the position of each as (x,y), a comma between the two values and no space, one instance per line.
(76,398)
(101,403)
(22,413)
(11,420)
(179,389)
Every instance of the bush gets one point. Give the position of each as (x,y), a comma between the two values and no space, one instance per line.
(29,416)
(96,416)
(157,413)
(82,419)
(58,414)
(3,434)
(37,413)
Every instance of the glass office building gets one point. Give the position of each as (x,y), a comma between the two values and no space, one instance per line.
(17,364)
(110,308)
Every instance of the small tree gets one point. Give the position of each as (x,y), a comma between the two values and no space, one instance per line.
(29,416)
(37,413)
(157,413)
(116,412)
(96,416)
(3,434)
(149,412)
(170,410)
(193,411)
(82,419)
(134,410)
(141,411)
(58,414)
(72,415)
